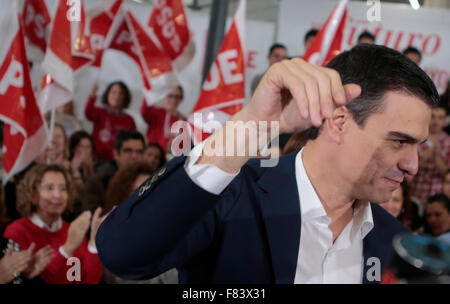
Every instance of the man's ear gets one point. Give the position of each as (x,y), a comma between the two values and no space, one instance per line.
(116,154)
(336,125)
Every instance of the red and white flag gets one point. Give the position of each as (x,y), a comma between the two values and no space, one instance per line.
(36,21)
(120,39)
(169,24)
(223,91)
(100,18)
(69,48)
(51,95)
(25,133)
(328,42)
(130,37)
(155,63)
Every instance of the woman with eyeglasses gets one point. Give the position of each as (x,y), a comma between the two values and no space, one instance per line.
(160,119)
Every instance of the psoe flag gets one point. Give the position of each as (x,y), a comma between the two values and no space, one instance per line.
(328,42)
(169,24)
(223,91)
(25,133)
(36,21)
(69,47)
(155,63)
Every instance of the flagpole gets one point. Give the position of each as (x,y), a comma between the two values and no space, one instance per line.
(52,127)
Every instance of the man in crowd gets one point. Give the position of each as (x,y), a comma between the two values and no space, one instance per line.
(277,53)
(129,147)
(414,54)
(306,220)
(366,37)
(309,37)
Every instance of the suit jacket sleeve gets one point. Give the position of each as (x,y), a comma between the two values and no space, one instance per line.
(160,229)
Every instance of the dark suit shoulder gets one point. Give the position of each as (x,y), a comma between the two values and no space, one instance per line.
(385,225)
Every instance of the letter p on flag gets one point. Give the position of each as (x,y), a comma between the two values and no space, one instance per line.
(25,133)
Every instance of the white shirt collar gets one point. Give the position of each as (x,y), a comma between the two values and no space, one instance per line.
(35,218)
(311,207)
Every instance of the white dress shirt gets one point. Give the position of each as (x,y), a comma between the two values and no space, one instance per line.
(319,259)
(36,219)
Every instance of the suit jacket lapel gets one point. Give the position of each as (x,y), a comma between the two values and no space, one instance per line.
(280,208)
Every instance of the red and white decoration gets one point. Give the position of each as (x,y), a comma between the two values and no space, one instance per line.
(69,48)
(223,91)
(328,42)
(131,38)
(169,23)
(25,133)
(36,21)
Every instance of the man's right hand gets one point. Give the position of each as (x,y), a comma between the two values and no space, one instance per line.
(293,92)
(298,95)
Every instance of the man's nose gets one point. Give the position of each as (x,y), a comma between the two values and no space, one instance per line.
(409,163)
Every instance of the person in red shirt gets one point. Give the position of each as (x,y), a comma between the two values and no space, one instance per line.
(160,120)
(44,195)
(108,121)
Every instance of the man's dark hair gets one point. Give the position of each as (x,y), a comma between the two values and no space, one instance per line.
(411,49)
(378,69)
(366,34)
(440,198)
(125,135)
(125,90)
(276,45)
(311,33)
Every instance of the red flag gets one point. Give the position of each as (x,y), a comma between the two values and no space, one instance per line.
(64,55)
(155,63)
(122,40)
(100,20)
(223,91)
(25,133)
(128,36)
(328,42)
(169,23)
(36,19)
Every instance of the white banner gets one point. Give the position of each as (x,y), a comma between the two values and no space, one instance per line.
(399,26)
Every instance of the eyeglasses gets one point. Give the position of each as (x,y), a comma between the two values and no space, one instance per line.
(129,150)
(174,96)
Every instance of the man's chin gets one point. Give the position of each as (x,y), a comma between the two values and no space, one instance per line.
(381,196)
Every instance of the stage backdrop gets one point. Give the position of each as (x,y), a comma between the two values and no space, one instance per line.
(117,66)
(427,29)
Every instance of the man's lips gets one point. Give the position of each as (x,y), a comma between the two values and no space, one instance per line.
(395,181)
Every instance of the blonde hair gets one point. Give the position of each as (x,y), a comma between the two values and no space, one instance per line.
(27,189)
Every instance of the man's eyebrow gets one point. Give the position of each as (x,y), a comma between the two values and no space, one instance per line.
(405,136)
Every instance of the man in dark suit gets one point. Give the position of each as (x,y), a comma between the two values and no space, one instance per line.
(228,219)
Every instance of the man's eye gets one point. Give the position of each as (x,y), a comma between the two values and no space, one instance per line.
(399,143)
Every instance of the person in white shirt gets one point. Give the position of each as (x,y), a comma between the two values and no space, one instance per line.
(312,218)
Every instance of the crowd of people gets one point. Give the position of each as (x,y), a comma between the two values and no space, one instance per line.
(51,211)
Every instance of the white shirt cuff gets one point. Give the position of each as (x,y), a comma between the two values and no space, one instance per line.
(207,177)
(63,252)
(92,249)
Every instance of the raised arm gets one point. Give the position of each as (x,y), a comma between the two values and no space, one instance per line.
(92,112)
